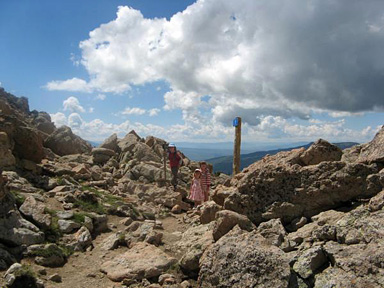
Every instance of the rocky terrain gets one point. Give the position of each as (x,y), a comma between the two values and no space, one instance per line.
(76,216)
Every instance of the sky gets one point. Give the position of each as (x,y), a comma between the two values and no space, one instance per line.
(293,70)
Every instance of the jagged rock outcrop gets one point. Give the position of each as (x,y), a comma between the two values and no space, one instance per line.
(321,151)
(373,151)
(111,143)
(6,157)
(280,187)
(43,122)
(63,142)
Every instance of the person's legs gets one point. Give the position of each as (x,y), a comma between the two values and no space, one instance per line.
(206,194)
(175,171)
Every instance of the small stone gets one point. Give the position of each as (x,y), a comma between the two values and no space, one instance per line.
(126,221)
(42,271)
(55,278)
(176,209)
(164,277)
(185,284)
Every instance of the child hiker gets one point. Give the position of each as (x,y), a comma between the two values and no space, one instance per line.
(196,193)
(205,180)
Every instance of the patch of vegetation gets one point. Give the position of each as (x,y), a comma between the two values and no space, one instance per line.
(110,200)
(89,207)
(18,197)
(25,270)
(52,250)
(53,232)
(60,181)
(174,269)
(79,217)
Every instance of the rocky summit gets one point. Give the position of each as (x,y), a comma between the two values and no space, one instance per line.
(73,215)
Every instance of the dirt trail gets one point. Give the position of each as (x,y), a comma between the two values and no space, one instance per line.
(83,268)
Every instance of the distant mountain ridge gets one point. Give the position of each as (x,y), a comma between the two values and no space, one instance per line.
(224,164)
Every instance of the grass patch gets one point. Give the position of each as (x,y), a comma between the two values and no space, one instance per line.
(53,232)
(89,207)
(110,200)
(25,270)
(52,250)
(18,197)
(79,217)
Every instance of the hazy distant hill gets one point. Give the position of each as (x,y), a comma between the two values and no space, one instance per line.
(224,163)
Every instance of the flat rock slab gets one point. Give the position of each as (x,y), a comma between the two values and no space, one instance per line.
(141,261)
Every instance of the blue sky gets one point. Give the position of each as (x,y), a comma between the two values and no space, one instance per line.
(182,70)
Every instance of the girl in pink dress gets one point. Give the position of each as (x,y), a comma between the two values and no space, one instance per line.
(196,193)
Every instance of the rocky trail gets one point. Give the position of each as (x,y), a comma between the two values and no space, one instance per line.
(72,215)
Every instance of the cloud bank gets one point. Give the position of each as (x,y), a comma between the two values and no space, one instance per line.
(260,59)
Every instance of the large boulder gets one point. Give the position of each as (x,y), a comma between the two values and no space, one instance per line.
(36,212)
(42,121)
(279,187)
(101,155)
(226,220)
(63,142)
(128,142)
(141,261)
(191,246)
(28,144)
(243,259)
(374,150)
(321,151)
(14,229)
(111,143)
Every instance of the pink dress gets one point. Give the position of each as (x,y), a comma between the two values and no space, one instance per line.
(196,191)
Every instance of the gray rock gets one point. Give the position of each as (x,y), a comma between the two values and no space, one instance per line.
(226,220)
(48,255)
(63,142)
(102,155)
(310,261)
(64,214)
(243,259)
(35,211)
(82,239)
(111,143)
(113,241)
(67,226)
(55,278)
(208,212)
(17,231)
(19,275)
(141,261)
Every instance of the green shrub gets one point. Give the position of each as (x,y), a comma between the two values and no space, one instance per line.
(18,197)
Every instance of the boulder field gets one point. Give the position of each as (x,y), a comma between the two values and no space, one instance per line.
(73,215)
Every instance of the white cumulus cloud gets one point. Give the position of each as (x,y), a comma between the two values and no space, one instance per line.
(133,111)
(154,112)
(72,104)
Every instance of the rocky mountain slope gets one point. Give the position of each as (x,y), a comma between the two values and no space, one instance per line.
(224,164)
(76,216)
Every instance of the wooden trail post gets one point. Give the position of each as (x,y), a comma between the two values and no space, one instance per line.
(237,145)
(165,147)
